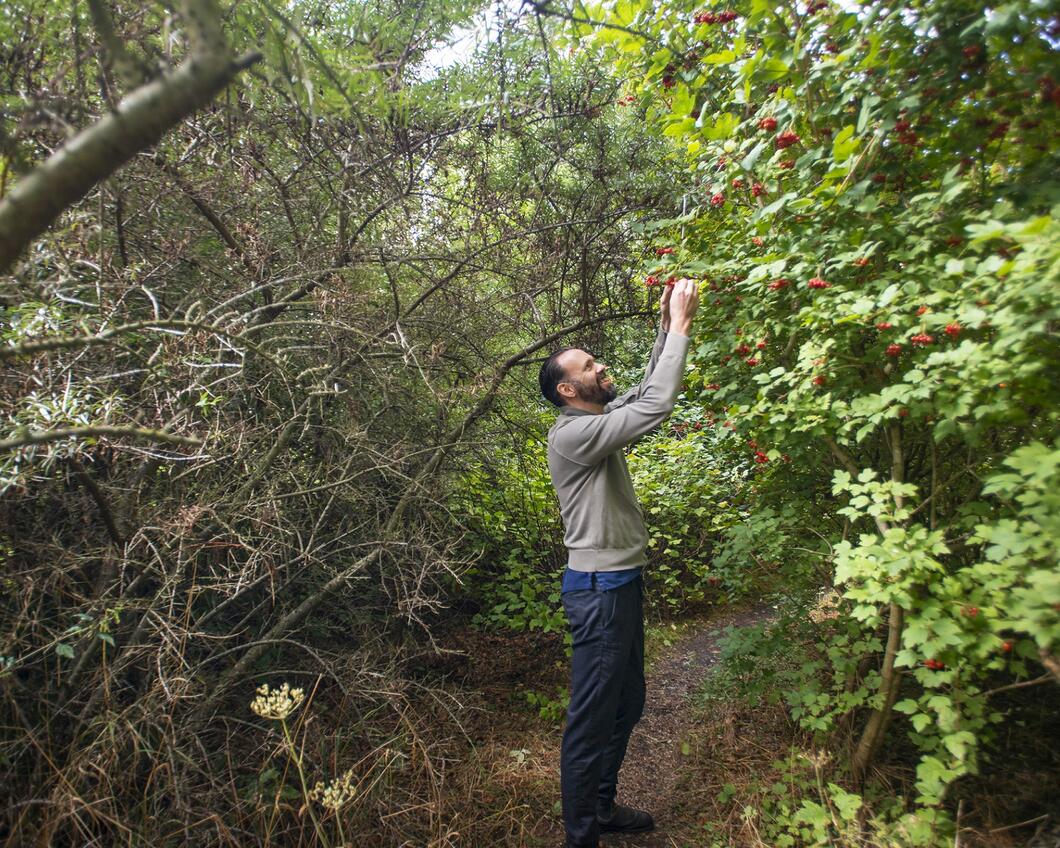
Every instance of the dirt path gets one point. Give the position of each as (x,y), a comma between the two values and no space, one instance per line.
(654,760)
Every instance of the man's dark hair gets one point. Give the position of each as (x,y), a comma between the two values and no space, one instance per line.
(551,375)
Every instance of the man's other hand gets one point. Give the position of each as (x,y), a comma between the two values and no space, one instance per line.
(681,303)
(664,307)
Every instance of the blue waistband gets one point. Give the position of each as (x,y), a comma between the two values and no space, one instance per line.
(574,581)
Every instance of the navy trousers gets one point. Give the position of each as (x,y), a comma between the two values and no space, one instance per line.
(606,701)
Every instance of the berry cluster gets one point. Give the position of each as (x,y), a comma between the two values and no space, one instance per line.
(716,17)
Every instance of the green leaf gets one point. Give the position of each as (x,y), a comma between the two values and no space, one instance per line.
(724,125)
(866,111)
(749,160)
(723,57)
(845,144)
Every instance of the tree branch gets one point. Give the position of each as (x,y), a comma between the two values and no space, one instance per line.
(25,436)
(140,120)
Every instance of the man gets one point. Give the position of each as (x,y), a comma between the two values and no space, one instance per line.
(605,539)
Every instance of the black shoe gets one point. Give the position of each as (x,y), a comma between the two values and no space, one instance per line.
(625,820)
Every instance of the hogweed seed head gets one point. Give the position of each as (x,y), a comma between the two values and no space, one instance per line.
(276,704)
(333,795)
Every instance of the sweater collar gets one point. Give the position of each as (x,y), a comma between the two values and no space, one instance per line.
(573,410)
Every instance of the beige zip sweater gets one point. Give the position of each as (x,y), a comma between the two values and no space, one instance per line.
(604,525)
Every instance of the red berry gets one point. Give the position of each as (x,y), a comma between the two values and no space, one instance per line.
(761,345)
(971,612)
(922,310)
(903,412)
(757,189)
(761,458)
(1006,646)
(971,51)
(787,164)
(953,330)
(718,200)
(663,251)
(743,349)
(768,124)
(818,283)
(819,380)
(757,242)
(922,339)
(737,183)
(776,285)
(862,261)
(668,82)
(787,139)
(651,281)
(713,387)
(894,350)
(884,325)
(752,362)
(903,126)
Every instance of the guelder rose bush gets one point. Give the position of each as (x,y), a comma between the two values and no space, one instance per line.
(868,200)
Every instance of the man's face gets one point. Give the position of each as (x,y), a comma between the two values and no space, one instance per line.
(587,377)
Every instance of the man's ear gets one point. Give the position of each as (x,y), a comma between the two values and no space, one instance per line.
(565,389)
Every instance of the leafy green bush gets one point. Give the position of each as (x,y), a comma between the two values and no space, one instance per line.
(869,197)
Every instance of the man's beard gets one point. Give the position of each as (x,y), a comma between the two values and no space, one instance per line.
(595,393)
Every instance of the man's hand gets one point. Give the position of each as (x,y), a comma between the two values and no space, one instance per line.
(682,303)
(664,307)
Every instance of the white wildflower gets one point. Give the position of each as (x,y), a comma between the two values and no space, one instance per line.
(336,793)
(277,704)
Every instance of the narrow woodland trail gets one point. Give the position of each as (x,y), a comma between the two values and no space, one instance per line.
(654,759)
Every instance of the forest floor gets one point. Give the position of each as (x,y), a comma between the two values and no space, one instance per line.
(521,750)
(697,760)
(661,741)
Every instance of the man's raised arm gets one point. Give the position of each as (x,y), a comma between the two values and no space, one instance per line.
(588,439)
(656,352)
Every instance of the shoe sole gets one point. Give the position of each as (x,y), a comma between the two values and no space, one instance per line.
(605,829)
